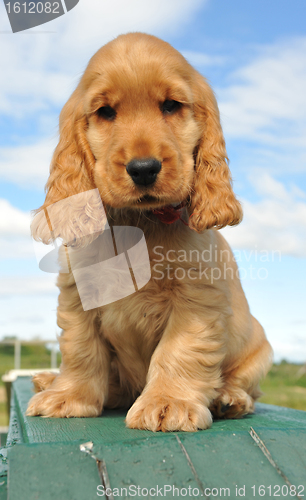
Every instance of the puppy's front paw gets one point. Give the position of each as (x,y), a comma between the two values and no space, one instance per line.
(54,403)
(232,403)
(163,413)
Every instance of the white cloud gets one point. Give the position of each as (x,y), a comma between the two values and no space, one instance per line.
(28,307)
(27,166)
(39,90)
(27,285)
(16,247)
(13,221)
(277,222)
(15,234)
(267,100)
(265,185)
(99,21)
(199,60)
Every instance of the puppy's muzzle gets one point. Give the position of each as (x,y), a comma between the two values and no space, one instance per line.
(143,171)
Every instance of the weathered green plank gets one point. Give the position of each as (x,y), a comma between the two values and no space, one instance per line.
(3,488)
(225,456)
(51,471)
(227,462)
(148,467)
(278,417)
(287,449)
(111,427)
(15,434)
(3,438)
(3,473)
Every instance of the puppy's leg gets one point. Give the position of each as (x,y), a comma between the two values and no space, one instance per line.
(81,387)
(241,385)
(183,377)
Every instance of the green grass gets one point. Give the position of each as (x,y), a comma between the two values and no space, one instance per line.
(32,356)
(3,414)
(285,385)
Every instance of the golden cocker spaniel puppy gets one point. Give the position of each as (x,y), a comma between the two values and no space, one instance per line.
(142,130)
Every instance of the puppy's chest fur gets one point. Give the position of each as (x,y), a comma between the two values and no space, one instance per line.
(135,324)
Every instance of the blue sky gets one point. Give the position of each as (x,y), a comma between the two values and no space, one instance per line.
(253,54)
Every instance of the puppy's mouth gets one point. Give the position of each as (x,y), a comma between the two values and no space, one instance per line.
(149,202)
(147,198)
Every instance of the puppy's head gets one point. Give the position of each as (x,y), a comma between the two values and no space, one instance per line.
(143,128)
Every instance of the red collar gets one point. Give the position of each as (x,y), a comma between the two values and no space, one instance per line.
(170,214)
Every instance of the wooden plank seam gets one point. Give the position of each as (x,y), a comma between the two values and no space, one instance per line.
(104,478)
(102,470)
(194,472)
(268,455)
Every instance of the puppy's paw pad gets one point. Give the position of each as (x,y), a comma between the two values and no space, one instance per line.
(167,414)
(232,404)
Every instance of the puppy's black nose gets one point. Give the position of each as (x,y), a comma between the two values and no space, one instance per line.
(143,171)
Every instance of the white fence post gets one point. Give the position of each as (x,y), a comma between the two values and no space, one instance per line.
(17,354)
(53,356)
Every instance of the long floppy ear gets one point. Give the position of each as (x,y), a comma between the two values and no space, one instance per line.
(71,173)
(212,202)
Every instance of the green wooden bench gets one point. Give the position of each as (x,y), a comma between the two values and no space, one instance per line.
(259,456)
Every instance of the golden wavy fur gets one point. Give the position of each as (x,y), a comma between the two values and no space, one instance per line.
(185,344)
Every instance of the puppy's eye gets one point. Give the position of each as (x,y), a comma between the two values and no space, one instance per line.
(107,113)
(170,107)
